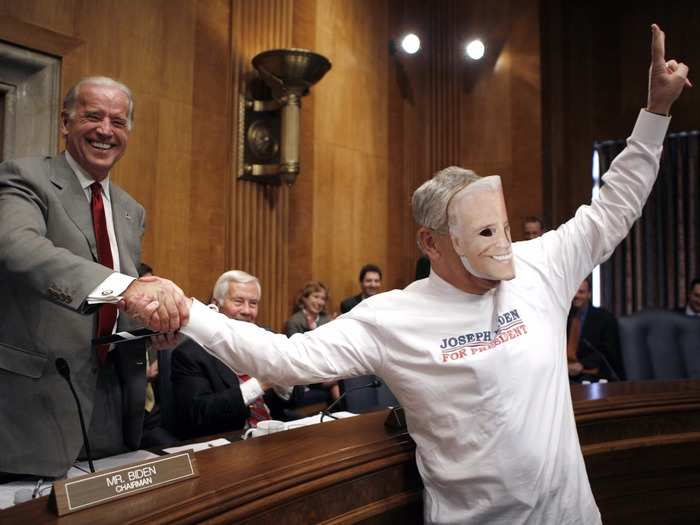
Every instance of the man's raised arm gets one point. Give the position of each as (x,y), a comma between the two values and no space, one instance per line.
(667,78)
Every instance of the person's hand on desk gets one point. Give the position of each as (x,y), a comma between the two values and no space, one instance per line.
(575,368)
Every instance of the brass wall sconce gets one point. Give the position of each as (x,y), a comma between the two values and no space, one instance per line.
(269,111)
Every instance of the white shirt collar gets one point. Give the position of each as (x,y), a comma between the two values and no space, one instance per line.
(84,180)
(690,312)
(441,287)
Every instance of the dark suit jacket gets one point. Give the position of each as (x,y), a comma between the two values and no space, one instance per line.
(599,335)
(681,310)
(47,268)
(208,397)
(350,303)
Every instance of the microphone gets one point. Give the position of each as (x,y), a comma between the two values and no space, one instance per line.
(375,383)
(590,346)
(64,371)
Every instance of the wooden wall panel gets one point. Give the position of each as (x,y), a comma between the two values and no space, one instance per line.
(481,115)
(409,151)
(351,144)
(212,175)
(259,215)
(486,113)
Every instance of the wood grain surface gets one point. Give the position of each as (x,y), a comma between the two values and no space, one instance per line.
(640,441)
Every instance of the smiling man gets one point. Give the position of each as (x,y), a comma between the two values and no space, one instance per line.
(209,397)
(69,237)
(475,352)
(370,284)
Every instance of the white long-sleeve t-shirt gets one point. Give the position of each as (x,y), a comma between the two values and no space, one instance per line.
(482,378)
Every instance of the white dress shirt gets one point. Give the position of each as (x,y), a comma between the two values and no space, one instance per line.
(483,378)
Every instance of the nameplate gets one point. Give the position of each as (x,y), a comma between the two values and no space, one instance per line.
(71,495)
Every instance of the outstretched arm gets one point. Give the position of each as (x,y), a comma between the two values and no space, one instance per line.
(574,249)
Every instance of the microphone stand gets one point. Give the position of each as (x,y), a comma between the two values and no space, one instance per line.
(327,412)
(64,371)
(613,374)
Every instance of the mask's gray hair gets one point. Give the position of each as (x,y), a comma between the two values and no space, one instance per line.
(71,98)
(431,199)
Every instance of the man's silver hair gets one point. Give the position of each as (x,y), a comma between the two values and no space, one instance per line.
(232,276)
(431,200)
(71,98)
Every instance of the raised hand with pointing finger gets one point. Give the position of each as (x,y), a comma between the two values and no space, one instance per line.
(667,78)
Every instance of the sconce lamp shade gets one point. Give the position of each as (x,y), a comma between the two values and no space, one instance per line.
(291,70)
(288,73)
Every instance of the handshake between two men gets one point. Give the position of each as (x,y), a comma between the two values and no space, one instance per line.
(158,303)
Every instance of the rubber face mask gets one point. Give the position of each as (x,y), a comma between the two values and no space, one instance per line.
(479,230)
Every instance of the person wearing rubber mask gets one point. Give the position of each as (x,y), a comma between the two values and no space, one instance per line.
(479,229)
(475,353)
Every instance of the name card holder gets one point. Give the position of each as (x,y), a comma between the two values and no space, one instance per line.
(83,492)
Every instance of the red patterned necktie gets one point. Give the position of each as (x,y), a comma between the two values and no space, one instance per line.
(258,409)
(107,313)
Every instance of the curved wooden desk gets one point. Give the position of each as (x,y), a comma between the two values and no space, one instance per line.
(641,442)
(348,471)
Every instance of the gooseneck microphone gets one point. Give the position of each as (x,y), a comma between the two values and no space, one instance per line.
(376,383)
(64,370)
(590,346)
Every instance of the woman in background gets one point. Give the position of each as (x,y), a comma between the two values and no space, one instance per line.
(309,309)
(310,313)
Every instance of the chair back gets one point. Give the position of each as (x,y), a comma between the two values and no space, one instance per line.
(366,399)
(657,344)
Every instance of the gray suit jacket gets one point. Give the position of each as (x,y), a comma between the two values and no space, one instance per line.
(47,268)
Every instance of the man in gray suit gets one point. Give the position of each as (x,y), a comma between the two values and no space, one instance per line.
(69,239)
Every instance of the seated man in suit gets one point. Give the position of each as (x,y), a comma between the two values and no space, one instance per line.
(210,398)
(593,342)
(692,307)
(532,228)
(370,284)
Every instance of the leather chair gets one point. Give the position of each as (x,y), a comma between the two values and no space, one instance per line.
(657,344)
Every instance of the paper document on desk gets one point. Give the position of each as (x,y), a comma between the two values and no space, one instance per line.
(316,419)
(196,447)
(21,491)
(82,468)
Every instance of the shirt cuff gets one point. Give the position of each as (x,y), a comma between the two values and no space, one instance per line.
(251,390)
(111,289)
(650,127)
(199,326)
(284,392)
